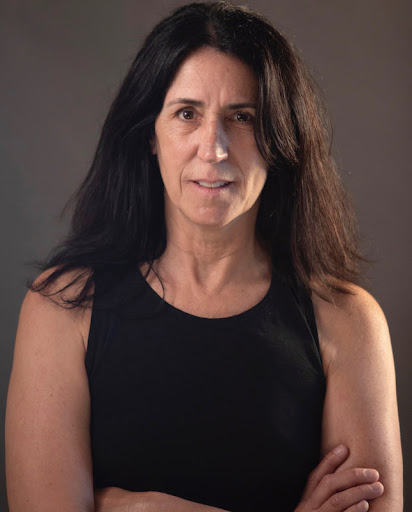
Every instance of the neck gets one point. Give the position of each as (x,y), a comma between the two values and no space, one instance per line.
(210,257)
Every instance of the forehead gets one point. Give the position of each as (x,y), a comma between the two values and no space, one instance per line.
(210,73)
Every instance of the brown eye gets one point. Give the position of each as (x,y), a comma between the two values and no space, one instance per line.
(242,117)
(186,114)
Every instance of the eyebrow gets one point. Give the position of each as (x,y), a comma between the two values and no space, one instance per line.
(197,103)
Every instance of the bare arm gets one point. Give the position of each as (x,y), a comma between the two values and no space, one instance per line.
(48,455)
(48,460)
(114,499)
(323,486)
(360,405)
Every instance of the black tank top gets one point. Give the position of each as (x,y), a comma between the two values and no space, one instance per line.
(224,412)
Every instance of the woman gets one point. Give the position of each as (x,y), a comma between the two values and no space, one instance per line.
(206,343)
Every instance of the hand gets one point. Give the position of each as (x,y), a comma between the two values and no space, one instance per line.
(343,491)
(114,499)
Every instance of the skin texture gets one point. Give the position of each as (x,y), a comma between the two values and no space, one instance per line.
(205,132)
(201,136)
(48,457)
(360,406)
(222,270)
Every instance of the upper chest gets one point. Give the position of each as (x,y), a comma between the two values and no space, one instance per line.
(228,301)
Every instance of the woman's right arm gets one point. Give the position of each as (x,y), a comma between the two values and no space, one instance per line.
(48,457)
(326,491)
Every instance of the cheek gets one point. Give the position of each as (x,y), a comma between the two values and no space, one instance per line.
(244,140)
(256,167)
(171,148)
(171,172)
(258,181)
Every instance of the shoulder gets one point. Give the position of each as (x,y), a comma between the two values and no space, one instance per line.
(49,303)
(350,325)
(65,286)
(357,308)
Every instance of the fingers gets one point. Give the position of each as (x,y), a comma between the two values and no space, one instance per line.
(362,506)
(330,484)
(353,498)
(344,491)
(328,465)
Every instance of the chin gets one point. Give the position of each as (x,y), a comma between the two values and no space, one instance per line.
(211,220)
(212,223)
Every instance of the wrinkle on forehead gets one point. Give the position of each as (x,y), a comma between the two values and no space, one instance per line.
(232,81)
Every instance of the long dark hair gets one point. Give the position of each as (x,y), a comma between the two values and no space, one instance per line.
(305,219)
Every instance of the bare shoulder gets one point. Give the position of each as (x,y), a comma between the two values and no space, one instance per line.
(358,306)
(48,405)
(350,324)
(51,304)
(66,285)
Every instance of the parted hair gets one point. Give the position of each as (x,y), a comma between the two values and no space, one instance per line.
(305,218)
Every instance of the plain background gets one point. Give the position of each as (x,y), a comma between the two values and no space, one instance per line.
(61,63)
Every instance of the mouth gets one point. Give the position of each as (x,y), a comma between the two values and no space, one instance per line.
(213,184)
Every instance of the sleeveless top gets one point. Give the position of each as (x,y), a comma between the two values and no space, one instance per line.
(225,412)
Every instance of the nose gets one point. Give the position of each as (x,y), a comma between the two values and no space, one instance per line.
(213,142)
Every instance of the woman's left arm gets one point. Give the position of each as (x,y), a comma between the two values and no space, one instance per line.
(360,407)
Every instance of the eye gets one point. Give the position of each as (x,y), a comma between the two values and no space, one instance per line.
(243,117)
(186,114)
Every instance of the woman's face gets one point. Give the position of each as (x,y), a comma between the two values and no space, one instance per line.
(211,168)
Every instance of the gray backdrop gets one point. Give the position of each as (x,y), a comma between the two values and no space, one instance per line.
(61,62)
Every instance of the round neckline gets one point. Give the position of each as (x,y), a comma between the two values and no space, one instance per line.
(173,309)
